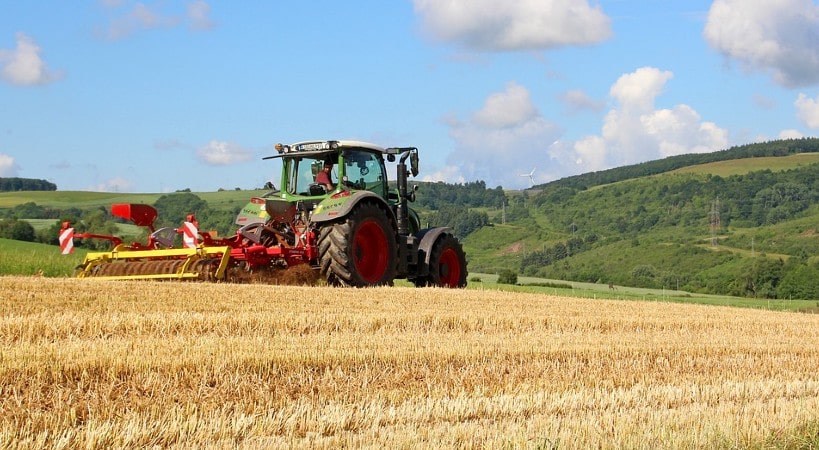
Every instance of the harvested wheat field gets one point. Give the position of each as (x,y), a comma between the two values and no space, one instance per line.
(88,364)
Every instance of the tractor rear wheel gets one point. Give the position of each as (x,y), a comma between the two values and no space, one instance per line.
(447,264)
(359,250)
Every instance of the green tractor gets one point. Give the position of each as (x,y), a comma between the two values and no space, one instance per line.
(337,212)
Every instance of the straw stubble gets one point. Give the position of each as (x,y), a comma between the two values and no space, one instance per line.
(120,364)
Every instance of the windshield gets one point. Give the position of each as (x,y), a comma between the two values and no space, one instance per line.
(302,174)
(365,170)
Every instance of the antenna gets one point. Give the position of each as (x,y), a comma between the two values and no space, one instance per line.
(531,176)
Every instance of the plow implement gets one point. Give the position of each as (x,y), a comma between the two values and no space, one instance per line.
(202,263)
(257,252)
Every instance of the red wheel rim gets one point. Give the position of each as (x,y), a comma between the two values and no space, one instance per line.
(449,268)
(370,251)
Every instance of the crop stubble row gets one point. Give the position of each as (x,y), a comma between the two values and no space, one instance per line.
(132,364)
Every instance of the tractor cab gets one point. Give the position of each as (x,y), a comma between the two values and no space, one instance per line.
(353,166)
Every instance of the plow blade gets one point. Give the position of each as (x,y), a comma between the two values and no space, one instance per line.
(201,263)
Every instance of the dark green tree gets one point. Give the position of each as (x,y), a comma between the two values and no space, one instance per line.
(800,282)
(173,208)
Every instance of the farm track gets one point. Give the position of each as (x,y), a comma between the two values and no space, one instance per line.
(87,363)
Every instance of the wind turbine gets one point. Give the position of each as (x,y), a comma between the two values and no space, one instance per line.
(531,176)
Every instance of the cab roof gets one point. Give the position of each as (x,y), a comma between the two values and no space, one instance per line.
(317,148)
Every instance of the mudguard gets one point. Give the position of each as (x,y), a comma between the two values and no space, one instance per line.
(342,203)
(253,212)
(427,238)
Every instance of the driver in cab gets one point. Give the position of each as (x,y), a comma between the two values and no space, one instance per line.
(323,178)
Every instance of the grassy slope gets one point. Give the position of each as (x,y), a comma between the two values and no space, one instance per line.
(743,166)
(28,258)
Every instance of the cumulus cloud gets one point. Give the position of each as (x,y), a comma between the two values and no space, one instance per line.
(807,109)
(129,18)
(23,65)
(635,131)
(505,138)
(777,37)
(636,91)
(490,25)
(506,109)
(8,168)
(221,153)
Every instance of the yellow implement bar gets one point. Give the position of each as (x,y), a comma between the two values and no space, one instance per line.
(122,253)
(158,276)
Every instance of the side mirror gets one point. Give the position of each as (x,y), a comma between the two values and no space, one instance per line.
(414,163)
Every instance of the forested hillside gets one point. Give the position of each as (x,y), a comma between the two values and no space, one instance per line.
(750,234)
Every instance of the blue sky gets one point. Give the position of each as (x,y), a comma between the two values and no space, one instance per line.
(155,96)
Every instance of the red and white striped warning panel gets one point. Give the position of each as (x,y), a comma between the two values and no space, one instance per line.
(189,233)
(67,241)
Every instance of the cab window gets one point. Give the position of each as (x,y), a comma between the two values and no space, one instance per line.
(365,170)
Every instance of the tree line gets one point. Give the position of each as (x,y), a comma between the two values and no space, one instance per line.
(25,184)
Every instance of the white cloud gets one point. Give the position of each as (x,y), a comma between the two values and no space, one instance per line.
(636,91)
(23,65)
(634,131)
(807,109)
(791,134)
(506,109)
(137,18)
(490,25)
(771,36)
(450,174)
(505,138)
(591,153)
(8,168)
(577,100)
(130,18)
(220,153)
(199,15)
(117,184)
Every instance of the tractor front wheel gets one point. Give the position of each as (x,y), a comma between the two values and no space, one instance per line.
(447,264)
(360,250)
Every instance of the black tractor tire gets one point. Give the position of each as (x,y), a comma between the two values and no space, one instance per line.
(447,264)
(360,250)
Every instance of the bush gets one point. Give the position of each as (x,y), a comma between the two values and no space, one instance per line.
(19,230)
(507,276)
